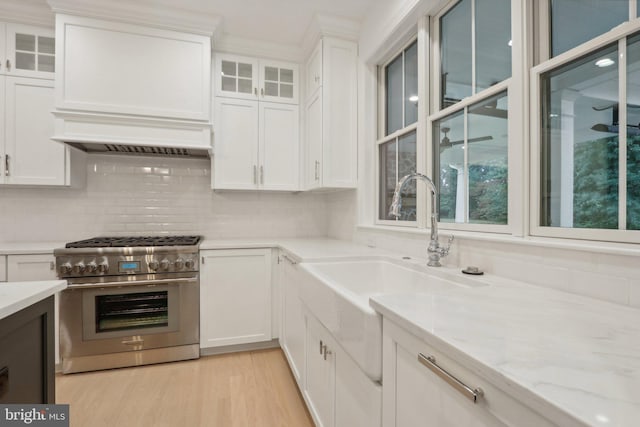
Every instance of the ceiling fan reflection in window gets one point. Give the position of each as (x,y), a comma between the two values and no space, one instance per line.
(447,143)
(614,127)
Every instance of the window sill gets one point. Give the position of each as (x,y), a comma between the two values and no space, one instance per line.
(591,246)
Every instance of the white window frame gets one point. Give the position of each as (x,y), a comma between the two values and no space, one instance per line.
(514,119)
(382,139)
(618,34)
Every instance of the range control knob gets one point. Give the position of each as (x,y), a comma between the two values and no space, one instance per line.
(179,264)
(78,267)
(65,268)
(189,264)
(164,264)
(154,264)
(92,267)
(103,267)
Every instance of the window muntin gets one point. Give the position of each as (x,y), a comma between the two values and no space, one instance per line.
(401,90)
(475,48)
(574,22)
(471,163)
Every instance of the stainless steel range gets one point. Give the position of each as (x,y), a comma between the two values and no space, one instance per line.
(130,301)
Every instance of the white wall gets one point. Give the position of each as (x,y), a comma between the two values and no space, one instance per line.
(147,195)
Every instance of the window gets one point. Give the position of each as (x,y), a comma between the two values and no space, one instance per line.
(568,18)
(470,134)
(475,48)
(472,171)
(589,170)
(397,146)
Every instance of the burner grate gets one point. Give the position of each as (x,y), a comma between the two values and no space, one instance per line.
(131,241)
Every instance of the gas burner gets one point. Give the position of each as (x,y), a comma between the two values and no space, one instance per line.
(135,241)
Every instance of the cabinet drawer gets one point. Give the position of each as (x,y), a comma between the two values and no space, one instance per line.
(3,268)
(416,395)
(22,268)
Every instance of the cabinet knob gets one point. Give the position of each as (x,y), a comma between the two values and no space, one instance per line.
(8,65)
(255,91)
(6,165)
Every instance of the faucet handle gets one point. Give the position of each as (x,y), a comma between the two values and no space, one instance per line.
(444,251)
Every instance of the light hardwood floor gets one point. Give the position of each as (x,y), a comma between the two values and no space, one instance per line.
(250,389)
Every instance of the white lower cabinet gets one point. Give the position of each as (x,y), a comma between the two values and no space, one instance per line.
(337,391)
(235,297)
(21,268)
(292,335)
(413,395)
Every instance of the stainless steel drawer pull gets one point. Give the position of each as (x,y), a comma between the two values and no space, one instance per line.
(133,342)
(321,346)
(6,165)
(471,394)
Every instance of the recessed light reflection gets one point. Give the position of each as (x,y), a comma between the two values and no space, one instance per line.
(605,62)
(602,418)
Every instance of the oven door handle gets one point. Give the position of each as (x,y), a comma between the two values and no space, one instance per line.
(132,283)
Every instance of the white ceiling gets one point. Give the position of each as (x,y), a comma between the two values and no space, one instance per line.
(276,21)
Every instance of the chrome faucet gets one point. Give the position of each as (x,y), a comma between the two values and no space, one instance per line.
(434,249)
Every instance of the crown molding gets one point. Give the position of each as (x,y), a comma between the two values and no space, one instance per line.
(143,12)
(251,47)
(34,13)
(329,25)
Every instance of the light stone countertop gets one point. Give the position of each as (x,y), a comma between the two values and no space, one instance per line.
(15,296)
(301,249)
(549,349)
(16,248)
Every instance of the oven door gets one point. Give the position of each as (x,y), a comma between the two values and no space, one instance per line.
(128,315)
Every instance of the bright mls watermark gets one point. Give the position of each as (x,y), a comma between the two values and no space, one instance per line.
(34,415)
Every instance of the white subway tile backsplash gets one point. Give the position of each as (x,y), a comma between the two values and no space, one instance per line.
(145,195)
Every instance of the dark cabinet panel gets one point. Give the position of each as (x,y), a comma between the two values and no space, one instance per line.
(26,355)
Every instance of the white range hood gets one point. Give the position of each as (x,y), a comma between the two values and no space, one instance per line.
(122,87)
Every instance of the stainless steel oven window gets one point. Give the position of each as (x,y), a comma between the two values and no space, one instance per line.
(123,312)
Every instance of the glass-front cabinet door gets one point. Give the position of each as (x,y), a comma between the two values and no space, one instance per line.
(278,82)
(30,51)
(236,77)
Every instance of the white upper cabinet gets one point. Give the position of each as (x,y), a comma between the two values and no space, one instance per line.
(255,145)
(27,51)
(256,123)
(120,68)
(331,155)
(251,78)
(30,156)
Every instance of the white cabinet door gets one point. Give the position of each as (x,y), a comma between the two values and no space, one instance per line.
(31,267)
(313,154)
(278,147)
(340,115)
(314,71)
(320,373)
(236,76)
(3,268)
(32,157)
(235,159)
(30,51)
(332,145)
(278,82)
(118,68)
(235,297)
(293,323)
